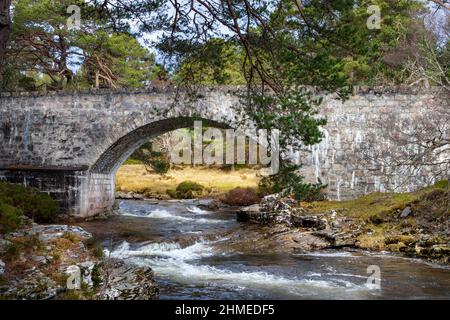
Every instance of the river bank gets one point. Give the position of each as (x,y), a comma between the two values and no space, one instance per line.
(42,262)
(207,254)
(151,245)
(415,224)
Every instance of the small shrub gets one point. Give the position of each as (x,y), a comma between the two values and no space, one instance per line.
(186,190)
(187,186)
(375,219)
(241,197)
(3,280)
(288,182)
(69,236)
(33,241)
(10,218)
(154,161)
(97,275)
(71,295)
(11,251)
(95,247)
(62,243)
(36,205)
(159,163)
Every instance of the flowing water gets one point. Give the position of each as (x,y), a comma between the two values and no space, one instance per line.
(187,249)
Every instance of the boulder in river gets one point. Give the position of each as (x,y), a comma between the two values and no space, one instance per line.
(129,282)
(275,209)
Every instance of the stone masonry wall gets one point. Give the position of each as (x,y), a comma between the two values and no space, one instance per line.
(78,193)
(71,144)
(355,129)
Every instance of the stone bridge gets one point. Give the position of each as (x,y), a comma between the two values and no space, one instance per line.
(71,144)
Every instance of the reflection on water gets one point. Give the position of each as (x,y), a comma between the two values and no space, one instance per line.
(181,243)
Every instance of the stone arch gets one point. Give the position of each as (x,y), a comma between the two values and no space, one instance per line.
(110,161)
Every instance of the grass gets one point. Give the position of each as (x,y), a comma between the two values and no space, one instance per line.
(379,212)
(369,207)
(379,205)
(134,178)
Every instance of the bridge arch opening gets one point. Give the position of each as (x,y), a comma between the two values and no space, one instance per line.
(111,160)
(108,175)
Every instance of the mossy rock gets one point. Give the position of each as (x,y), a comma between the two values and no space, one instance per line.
(405,239)
(371,242)
(396,247)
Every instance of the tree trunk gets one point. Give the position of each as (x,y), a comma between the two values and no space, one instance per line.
(97,79)
(65,72)
(5,28)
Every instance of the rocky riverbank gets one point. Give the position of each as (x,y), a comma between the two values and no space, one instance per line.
(291,226)
(64,262)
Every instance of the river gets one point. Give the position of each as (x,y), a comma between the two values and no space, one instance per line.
(187,249)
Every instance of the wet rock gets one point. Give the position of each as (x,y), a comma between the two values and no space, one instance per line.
(311,222)
(275,209)
(406,212)
(39,259)
(2,267)
(249,214)
(208,204)
(338,239)
(333,214)
(49,232)
(129,196)
(34,286)
(336,225)
(276,202)
(129,282)
(3,245)
(86,269)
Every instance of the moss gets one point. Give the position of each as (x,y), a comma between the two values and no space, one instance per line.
(371,242)
(368,207)
(396,247)
(130,161)
(405,239)
(56,256)
(379,207)
(443,184)
(408,223)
